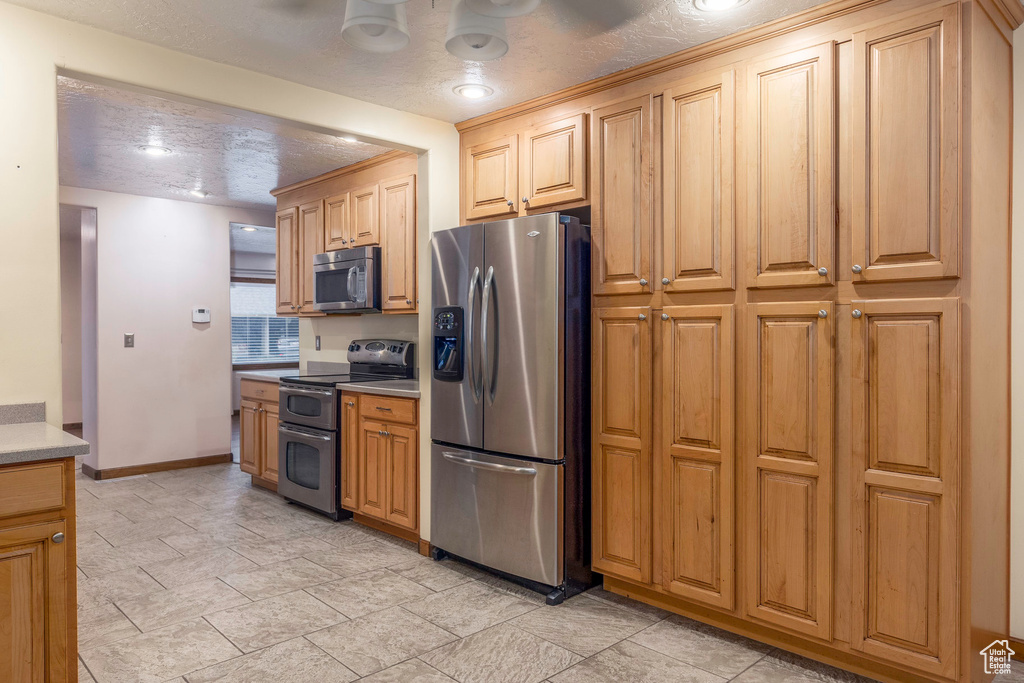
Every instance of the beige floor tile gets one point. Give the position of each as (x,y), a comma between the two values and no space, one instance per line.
(90,521)
(379,640)
(103,625)
(157,610)
(368,592)
(108,588)
(130,533)
(205,520)
(109,560)
(706,647)
(437,576)
(343,534)
(411,671)
(192,568)
(274,620)
(294,661)
(91,542)
(280,577)
(83,673)
(221,536)
(628,661)
(583,626)
(265,552)
(135,508)
(275,527)
(112,488)
(501,654)
(469,608)
(359,558)
(622,601)
(161,655)
(787,667)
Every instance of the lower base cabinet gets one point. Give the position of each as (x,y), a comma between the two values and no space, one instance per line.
(258,420)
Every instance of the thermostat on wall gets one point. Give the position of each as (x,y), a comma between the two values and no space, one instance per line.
(200,315)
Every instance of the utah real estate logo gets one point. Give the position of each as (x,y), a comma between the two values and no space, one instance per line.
(997,657)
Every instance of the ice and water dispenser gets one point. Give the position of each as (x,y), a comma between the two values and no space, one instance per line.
(449,356)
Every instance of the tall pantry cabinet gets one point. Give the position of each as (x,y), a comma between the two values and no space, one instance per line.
(800,330)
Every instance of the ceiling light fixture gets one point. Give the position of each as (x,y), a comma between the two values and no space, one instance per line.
(249,228)
(717,5)
(375,27)
(502,8)
(199,193)
(473,91)
(473,36)
(155,150)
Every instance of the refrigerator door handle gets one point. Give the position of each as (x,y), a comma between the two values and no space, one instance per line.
(477,387)
(485,307)
(506,469)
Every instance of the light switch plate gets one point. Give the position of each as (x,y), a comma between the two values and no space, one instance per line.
(129,340)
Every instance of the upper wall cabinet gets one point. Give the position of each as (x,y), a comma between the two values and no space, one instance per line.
(905,148)
(791,209)
(364,223)
(398,242)
(287,260)
(539,168)
(621,215)
(336,221)
(699,161)
(311,243)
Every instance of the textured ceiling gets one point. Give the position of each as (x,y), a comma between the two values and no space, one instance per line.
(550,49)
(237,157)
(262,240)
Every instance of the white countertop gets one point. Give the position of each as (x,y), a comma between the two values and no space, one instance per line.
(268,375)
(32,441)
(402,388)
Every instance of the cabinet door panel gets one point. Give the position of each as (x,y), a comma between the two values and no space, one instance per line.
(904,445)
(554,163)
(398,243)
(622,442)
(372,469)
(696,457)
(699,160)
(490,175)
(249,437)
(402,477)
(311,243)
(905,145)
(791,196)
(364,222)
(336,222)
(622,218)
(788,480)
(287,261)
(350,451)
(269,435)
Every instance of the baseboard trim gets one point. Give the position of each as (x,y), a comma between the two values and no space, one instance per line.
(424,548)
(71,425)
(404,534)
(264,483)
(134,470)
(1018,647)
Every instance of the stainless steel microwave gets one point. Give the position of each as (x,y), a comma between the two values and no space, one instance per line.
(347,281)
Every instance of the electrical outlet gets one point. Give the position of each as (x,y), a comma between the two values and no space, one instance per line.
(318,342)
(129,340)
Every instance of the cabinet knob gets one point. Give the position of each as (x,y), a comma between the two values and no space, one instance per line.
(387,433)
(642,316)
(511,204)
(823,271)
(526,200)
(58,537)
(643,282)
(408,301)
(380,432)
(344,241)
(351,403)
(823,313)
(664,316)
(856,269)
(665,281)
(856,313)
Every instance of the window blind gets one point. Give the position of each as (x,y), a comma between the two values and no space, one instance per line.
(257,334)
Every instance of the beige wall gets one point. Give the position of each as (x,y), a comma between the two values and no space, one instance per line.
(157,259)
(1017,351)
(32,47)
(71,311)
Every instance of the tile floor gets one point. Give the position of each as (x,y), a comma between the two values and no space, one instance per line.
(195,576)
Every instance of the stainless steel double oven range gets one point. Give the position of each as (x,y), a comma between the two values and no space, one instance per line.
(309,445)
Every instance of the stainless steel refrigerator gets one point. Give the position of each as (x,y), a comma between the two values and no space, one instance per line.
(510,400)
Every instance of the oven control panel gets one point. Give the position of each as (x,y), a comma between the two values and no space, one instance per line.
(381,352)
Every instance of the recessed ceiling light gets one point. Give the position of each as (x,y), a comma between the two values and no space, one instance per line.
(717,5)
(473,91)
(199,193)
(155,150)
(249,228)
(348,138)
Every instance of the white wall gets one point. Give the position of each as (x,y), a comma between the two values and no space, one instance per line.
(169,397)
(252,264)
(71,311)
(1017,351)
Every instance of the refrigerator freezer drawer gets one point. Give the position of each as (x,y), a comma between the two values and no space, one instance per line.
(503,513)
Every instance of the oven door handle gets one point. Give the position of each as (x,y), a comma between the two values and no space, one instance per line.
(493,466)
(311,392)
(286,430)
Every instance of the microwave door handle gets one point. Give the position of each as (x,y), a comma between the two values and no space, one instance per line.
(303,435)
(470,350)
(485,356)
(350,284)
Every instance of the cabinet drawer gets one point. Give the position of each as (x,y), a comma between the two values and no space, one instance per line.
(385,409)
(259,391)
(31,488)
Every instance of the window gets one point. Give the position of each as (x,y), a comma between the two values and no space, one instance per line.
(257,334)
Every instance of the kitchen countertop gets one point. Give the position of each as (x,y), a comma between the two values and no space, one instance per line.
(23,441)
(402,388)
(268,375)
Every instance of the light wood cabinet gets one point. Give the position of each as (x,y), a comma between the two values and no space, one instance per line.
(287,261)
(699,198)
(364,224)
(38,617)
(337,210)
(490,177)
(622,169)
(554,167)
(905,148)
(398,244)
(790,150)
(788,391)
(621,444)
(350,435)
(258,435)
(386,460)
(695,456)
(905,421)
(311,243)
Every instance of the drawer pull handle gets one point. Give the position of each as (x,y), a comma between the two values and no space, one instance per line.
(386,410)
(493,466)
(58,537)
